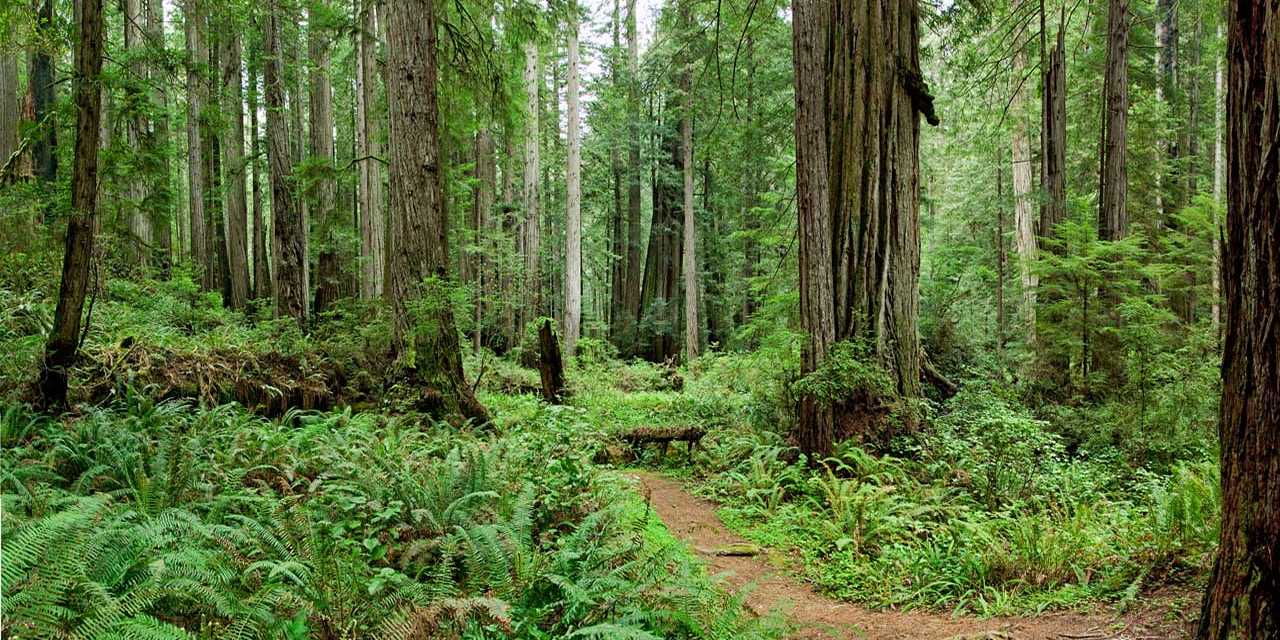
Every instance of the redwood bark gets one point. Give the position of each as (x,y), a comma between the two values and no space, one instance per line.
(660,295)
(322,199)
(286,219)
(419,273)
(235,214)
(1113,219)
(859,95)
(373,225)
(197,176)
(64,336)
(1054,138)
(1243,597)
(1023,222)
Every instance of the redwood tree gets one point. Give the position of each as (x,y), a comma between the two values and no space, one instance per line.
(1243,598)
(288,231)
(64,337)
(859,95)
(418,277)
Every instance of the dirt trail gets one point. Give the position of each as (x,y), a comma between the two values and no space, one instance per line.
(816,616)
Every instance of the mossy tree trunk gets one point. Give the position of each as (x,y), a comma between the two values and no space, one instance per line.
(64,337)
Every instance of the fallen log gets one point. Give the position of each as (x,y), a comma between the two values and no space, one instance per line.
(664,436)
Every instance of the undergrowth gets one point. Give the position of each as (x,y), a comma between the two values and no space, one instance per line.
(146,520)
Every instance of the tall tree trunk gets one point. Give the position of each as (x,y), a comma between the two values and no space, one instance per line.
(573,197)
(689,257)
(857,175)
(323,197)
(10,116)
(373,229)
(482,207)
(420,256)
(261,265)
(295,80)
(1166,83)
(197,166)
(1243,597)
(617,221)
(635,251)
(1054,138)
(64,336)
(1219,183)
(162,202)
(43,90)
(235,215)
(1113,219)
(286,218)
(659,300)
(1024,222)
(136,132)
(533,281)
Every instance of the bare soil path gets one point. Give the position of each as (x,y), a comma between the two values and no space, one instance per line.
(815,616)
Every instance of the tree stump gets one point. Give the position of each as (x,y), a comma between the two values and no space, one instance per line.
(550,364)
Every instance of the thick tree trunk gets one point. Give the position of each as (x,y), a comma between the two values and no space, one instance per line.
(286,218)
(1113,219)
(857,136)
(573,189)
(43,93)
(197,165)
(235,214)
(1243,598)
(689,255)
(373,225)
(261,264)
(322,199)
(64,337)
(635,251)
(660,296)
(420,257)
(1054,137)
(533,281)
(1024,222)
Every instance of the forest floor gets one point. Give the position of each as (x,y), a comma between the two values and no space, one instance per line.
(770,587)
